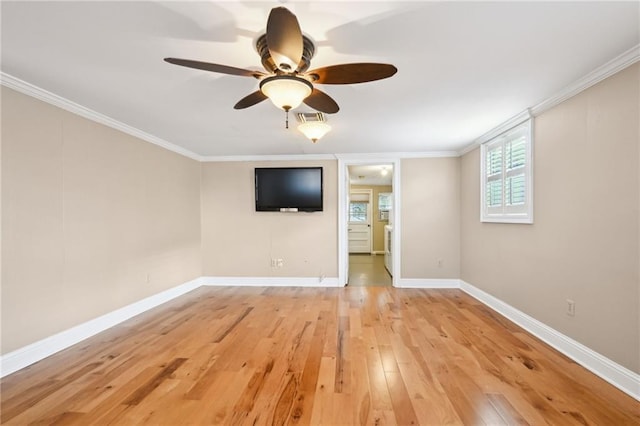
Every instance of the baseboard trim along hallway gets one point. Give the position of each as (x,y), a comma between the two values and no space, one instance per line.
(428,283)
(617,375)
(319,281)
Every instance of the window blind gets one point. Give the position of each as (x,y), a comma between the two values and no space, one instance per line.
(358,197)
(506,176)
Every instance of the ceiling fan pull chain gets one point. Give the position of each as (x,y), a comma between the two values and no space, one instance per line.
(286,119)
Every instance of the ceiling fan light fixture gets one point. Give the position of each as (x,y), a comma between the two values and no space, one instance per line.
(286,91)
(286,56)
(314,130)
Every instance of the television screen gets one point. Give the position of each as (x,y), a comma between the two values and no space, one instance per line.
(288,189)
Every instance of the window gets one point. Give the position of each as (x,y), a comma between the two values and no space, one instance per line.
(359,205)
(384,201)
(384,205)
(506,169)
(358,212)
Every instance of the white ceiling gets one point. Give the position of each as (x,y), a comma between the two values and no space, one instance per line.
(371,174)
(463,67)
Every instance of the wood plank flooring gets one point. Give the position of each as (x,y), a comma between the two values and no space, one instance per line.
(348,356)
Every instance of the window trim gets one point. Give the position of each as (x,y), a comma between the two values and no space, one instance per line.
(503,213)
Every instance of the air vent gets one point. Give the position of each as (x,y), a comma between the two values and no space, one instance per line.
(309,117)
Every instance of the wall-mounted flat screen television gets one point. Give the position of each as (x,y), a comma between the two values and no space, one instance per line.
(288,189)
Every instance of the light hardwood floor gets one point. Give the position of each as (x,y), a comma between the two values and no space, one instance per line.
(356,355)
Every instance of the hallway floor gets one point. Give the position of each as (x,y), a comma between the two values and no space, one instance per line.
(367,270)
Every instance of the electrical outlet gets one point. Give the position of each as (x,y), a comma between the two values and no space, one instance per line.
(279,263)
(571,308)
(274,263)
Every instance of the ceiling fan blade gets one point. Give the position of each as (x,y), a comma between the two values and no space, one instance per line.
(207,66)
(284,39)
(250,100)
(352,73)
(322,102)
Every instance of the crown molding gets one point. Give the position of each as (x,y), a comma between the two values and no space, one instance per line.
(382,156)
(504,127)
(395,155)
(496,131)
(427,154)
(283,157)
(468,148)
(29,89)
(612,67)
(604,71)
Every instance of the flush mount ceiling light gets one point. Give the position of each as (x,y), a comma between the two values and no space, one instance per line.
(314,130)
(313,125)
(384,171)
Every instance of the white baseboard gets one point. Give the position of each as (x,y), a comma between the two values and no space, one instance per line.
(27,355)
(428,283)
(272,281)
(619,376)
(34,352)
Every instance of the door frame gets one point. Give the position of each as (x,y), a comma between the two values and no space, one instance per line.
(344,161)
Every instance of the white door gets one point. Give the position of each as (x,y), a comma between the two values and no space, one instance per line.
(359,223)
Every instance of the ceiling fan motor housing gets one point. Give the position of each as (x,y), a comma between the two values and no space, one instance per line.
(308,50)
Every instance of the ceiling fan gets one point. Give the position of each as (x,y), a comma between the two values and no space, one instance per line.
(286,55)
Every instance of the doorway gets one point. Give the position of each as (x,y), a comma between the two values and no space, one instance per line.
(369,218)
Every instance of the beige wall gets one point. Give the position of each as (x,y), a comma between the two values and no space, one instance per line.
(430,209)
(240,242)
(378,225)
(583,244)
(87,213)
